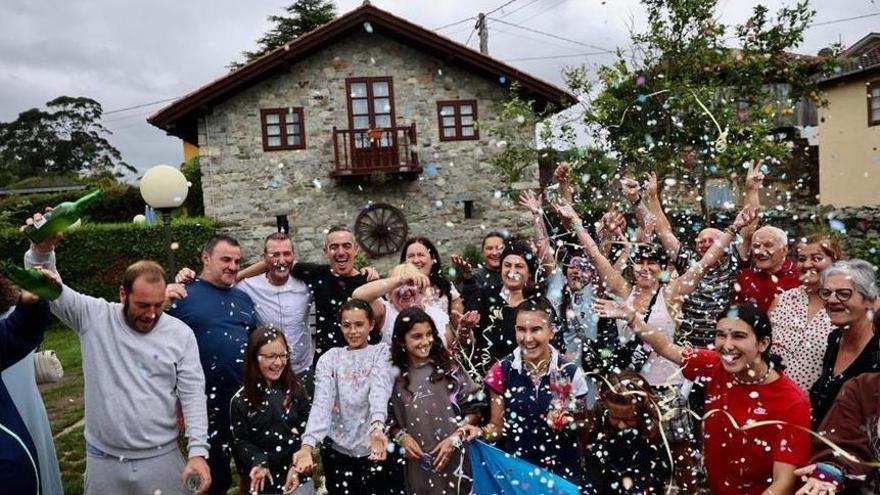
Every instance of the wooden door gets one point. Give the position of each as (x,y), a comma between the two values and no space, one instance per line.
(371,120)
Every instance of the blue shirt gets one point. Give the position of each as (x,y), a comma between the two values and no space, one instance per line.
(222,319)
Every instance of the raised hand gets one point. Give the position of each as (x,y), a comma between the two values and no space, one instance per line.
(529,201)
(47,245)
(370,273)
(630,189)
(566,214)
(745,217)
(185,276)
(461,263)
(754,177)
(561,173)
(651,185)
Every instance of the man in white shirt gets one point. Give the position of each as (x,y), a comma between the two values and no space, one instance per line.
(283,301)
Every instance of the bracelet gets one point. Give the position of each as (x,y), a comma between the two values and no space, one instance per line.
(828,473)
(731,230)
(577,227)
(400,434)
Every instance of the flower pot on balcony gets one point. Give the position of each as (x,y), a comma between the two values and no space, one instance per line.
(374,134)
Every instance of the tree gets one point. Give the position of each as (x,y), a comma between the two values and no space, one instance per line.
(685,104)
(67,138)
(304,16)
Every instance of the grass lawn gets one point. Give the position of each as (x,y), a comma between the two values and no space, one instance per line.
(65,404)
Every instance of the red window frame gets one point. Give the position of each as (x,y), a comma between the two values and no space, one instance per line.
(283,125)
(457,115)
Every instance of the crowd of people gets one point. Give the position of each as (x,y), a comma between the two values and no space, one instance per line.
(611,355)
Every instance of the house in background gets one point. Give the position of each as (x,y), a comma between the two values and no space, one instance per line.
(849,129)
(369,121)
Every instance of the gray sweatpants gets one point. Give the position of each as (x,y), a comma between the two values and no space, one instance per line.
(159,475)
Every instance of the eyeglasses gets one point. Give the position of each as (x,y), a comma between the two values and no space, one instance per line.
(843,295)
(274,357)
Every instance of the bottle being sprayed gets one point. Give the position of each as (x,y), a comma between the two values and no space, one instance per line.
(60,218)
(31,280)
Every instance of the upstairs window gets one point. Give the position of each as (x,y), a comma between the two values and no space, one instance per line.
(874,103)
(457,120)
(283,129)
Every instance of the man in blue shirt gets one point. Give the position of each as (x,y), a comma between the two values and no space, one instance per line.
(222,318)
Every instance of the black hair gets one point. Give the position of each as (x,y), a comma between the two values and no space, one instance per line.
(650,252)
(490,235)
(436,274)
(209,246)
(276,236)
(406,320)
(537,304)
(524,251)
(357,304)
(749,314)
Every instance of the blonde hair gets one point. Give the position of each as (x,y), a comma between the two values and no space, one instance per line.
(405,270)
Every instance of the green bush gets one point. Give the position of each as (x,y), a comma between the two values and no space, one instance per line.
(91,259)
(120,203)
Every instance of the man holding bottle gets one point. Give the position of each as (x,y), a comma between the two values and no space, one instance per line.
(137,364)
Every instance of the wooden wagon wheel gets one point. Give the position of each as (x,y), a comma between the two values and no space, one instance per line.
(380,229)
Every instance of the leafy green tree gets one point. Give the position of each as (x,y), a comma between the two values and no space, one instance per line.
(303,16)
(67,138)
(682,102)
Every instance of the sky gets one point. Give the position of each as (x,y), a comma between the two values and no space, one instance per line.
(144,54)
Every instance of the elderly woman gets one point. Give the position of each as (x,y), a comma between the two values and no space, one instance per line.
(849,289)
(406,286)
(800,323)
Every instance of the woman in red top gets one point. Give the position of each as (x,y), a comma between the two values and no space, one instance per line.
(743,390)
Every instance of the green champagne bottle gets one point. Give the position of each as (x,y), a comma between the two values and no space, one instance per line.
(31,280)
(61,217)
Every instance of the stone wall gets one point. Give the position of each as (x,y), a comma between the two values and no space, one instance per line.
(245,187)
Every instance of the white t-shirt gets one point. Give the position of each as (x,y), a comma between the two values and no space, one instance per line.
(285,307)
(440,318)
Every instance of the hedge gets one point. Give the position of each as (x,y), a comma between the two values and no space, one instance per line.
(119,203)
(92,258)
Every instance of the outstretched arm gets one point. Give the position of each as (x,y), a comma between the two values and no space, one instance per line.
(661,223)
(686,283)
(754,183)
(614,281)
(654,337)
(529,201)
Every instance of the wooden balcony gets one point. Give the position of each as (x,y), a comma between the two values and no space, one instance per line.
(364,152)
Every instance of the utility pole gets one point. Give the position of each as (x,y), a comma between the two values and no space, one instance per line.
(484,34)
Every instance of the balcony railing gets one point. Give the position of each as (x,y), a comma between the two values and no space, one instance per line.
(387,150)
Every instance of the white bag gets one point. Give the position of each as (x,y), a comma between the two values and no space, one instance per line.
(47,367)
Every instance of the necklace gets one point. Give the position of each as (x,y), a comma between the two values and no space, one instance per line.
(537,369)
(753,381)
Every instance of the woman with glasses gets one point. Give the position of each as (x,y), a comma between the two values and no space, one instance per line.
(266,415)
(800,323)
(849,290)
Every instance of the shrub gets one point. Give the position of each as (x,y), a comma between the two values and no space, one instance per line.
(93,257)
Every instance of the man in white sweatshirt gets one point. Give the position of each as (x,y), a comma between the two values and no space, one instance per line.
(137,364)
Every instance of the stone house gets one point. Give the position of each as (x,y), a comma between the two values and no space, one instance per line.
(849,129)
(368,121)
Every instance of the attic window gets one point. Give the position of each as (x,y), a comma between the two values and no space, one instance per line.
(457,120)
(283,128)
(874,103)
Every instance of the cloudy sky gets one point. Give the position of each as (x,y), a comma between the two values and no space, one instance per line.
(139,53)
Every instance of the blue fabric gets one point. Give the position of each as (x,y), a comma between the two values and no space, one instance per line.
(20,334)
(496,472)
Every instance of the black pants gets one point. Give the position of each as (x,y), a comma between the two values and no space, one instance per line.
(345,475)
